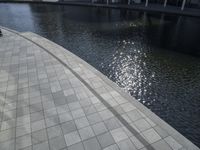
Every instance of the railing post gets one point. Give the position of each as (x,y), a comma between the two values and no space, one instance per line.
(183,4)
(146,4)
(165,3)
(1,33)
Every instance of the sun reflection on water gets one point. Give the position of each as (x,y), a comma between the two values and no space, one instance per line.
(128,68)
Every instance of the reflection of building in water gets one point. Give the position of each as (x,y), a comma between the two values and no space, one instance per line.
(163,3)
(179,3)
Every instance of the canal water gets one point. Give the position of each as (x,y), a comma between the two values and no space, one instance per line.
(154,57)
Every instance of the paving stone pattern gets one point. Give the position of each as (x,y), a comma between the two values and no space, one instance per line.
(45,105)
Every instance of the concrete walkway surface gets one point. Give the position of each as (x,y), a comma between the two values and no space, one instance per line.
(51,99)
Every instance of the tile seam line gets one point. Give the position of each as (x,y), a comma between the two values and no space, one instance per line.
(108,106)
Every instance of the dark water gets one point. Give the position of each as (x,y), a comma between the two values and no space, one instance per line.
(155,57)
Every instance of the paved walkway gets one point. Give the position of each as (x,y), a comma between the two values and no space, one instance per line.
(51,99)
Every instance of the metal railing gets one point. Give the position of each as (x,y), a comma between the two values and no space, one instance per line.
(1,34)
(164,3)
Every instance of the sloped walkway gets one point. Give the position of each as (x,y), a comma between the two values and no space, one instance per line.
(51,99)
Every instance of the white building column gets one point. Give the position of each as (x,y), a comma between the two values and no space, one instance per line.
(107,2)
(146,4)
(183,4)
(165,3)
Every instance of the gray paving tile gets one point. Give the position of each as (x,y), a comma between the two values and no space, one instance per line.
(126,145)
(54,131)
(39,136)
(27,148)
(78,146)
(91,144)
(78,113)
(68,127)
(112,102)
(60,101)
(94,118)
(59,94)
(7,134)
(134,115)
(8,145)
(142,124)
(127,107)
(105,139)
(112,147)
(72,138)
(74,105)
(183,148)
(41,146)
(125,117)
(89,109)
(99,128)
(57,143)
(119,109)
(62,109)
(65,84)
(119,134)
(48,104)
(120,99)
(161,145)
(68,92)
(48,97)
(136,142)
(38,125)
(106,114)
(21,111)
(64,117)
(23,120)
(52,121)
(36,116)
(71,98)
(85,103)
(94,100)
(151,135)
(112,123)
(23,141)
(128,132)
(100,107)
(81,122)
(173,143)
(11,114)
(22,130)
(55,86)
(152,123)
(86,133)
(161,132)
(36,107)
(8,124)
